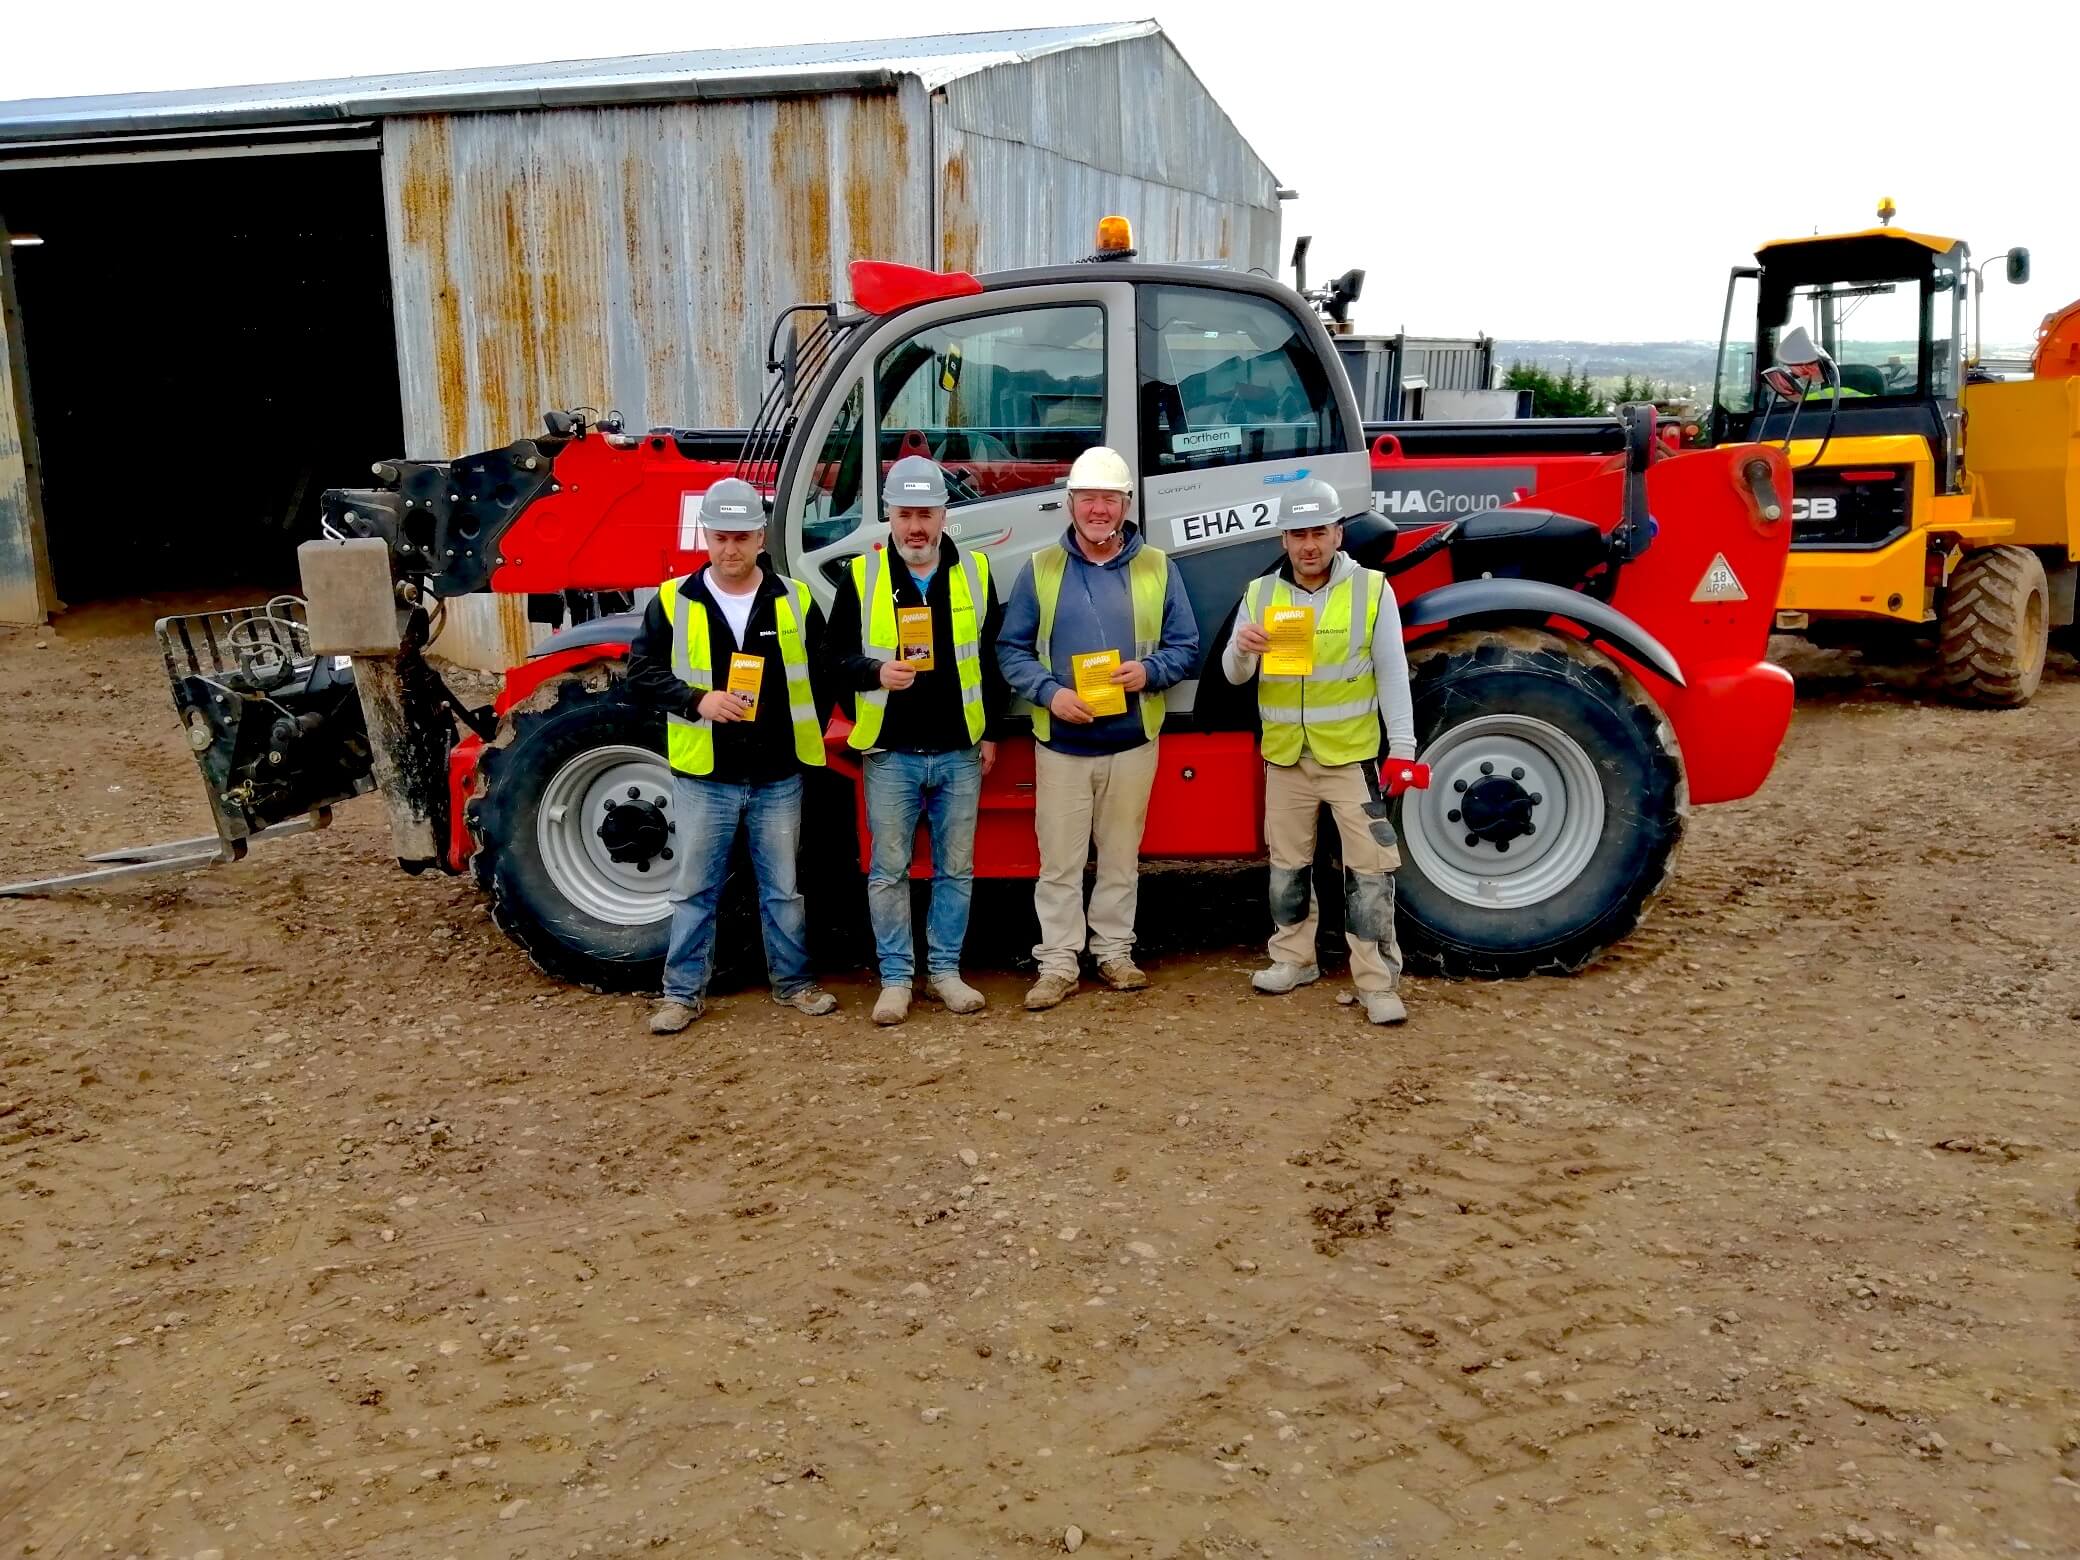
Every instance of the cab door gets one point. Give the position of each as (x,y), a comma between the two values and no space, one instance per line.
(1240,396)
(1004,390)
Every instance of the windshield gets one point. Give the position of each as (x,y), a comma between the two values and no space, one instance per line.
(1871,329)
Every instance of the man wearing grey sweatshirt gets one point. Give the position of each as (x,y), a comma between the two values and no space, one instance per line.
(1322,637)
(1101,589)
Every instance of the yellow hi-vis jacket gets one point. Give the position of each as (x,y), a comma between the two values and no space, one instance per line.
(690,743)
(1148,582)
(967,593)
(1333,712)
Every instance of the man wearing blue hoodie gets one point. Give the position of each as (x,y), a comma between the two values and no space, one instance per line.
(1100,588)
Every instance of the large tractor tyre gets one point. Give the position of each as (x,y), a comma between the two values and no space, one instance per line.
(576,845)
(1995,628)
(1554,812)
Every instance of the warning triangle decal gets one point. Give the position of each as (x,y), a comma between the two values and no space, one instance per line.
(1720,583)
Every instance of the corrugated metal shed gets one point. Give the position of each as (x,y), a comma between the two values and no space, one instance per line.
(622,233)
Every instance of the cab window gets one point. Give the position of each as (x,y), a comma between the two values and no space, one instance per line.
(1004,402)
(834,510)
(1227,380)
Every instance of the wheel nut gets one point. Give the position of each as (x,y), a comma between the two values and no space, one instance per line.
(1517,773)
(1458,785)
(635,793)
(1487,768)
(1537,799)
(1472,840)
(666,853)
(1452,816)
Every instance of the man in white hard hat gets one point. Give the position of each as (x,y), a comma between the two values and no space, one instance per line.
(1102,597)
(913,639)
(728,653)
(1322,637)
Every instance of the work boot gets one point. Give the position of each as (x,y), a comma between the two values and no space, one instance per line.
(1123,974)
(674,1014)
(957,994)
(1282,977)
(1385,1007)
(1049,990)
(813,1000)
(893,1005)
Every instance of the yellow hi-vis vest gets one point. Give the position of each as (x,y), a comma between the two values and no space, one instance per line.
(1333,713)
(967,592)
(690,744)
(1148,582)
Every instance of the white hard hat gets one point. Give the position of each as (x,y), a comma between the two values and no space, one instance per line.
(1100,469)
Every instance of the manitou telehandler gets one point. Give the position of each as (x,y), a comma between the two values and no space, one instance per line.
(1586,609)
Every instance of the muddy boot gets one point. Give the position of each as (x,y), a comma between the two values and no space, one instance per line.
(1282,977)
(1385,1007)
(813,1000)
(893,1005)
(1049,990)
(957,994)
(674,1014)
(1123,974)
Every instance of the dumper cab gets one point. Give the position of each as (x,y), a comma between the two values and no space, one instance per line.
(1927,509)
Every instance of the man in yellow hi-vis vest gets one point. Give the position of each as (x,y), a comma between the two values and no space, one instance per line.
(729,654)
(1100,592)
(1322,637)
(913,639)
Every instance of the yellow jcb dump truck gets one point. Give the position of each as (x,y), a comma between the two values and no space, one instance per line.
(1934,500)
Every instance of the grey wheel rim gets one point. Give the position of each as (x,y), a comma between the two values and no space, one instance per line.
(1566,812)
(567,830)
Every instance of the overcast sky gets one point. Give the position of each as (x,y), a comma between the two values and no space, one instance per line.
(1558,170)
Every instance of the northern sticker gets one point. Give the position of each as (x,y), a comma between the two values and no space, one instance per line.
(1200,440)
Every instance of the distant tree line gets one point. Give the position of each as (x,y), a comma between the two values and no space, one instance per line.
(1574,394)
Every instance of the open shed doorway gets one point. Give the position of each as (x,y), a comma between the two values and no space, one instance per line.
(210,346)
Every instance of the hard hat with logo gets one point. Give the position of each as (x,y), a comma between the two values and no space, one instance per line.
(914,482)
(1101,470)
(732,505)
(1308,503)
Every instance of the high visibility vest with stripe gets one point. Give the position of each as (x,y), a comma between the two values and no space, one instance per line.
(1148,583)
(1333,713)
(690,744)
(968,595)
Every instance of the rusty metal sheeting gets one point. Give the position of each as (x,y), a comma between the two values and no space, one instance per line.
(1031,155)
(1003,204)
(1134,107)
(26,594)
(631,258)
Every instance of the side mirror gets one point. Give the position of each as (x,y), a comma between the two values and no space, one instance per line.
(2018,265)
(1799,368)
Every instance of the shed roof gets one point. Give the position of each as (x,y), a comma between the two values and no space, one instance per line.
(639,78)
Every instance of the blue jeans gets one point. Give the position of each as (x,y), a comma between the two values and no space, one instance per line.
(946,789)
(709,813)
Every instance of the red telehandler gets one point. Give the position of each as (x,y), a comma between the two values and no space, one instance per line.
(1586,610)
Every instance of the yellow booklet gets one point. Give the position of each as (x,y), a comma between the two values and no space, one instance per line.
(1094,684)
(914,637)
(1291,631)
(746,672)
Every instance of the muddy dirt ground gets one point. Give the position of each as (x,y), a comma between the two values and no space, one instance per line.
(328,1227)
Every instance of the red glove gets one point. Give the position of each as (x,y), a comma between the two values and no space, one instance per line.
(1398,775)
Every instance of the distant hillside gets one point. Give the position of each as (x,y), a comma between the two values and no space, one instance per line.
(1680,364)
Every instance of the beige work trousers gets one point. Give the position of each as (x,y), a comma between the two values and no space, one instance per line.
(1293,794)
(1078,799)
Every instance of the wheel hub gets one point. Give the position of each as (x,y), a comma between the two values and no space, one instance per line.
(635,830)
(1513,813)
(1497,809)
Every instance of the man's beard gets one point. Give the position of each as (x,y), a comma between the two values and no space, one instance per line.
(918,557)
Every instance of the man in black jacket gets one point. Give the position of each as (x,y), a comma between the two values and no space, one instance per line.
(913,640)
(729,654)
